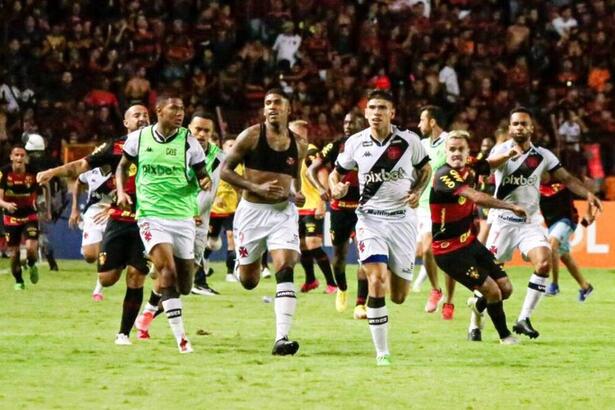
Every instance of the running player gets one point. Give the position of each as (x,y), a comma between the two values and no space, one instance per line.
(121,245)
(18,193)
(455,247)
(562,217)
(271,155)
(343,215)
(100,184)
(311,219)
(431,125)
(170,162)
(517,181)
(386,158)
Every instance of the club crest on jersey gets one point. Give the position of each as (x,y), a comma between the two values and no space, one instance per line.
(383,176)
(519,180)
(290,161)
(394,152)
(532,162)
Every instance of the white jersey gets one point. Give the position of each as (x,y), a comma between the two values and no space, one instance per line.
(386,170)
(518,179)
(99,186)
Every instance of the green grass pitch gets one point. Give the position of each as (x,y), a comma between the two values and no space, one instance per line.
(57,352)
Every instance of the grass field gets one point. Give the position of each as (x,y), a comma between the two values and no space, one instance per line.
(57,351)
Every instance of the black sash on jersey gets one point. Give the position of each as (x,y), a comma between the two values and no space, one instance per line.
(387,161)
(525,170)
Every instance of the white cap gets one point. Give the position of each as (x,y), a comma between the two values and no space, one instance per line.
(35,143)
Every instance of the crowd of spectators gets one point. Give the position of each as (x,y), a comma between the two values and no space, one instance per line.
(70,67)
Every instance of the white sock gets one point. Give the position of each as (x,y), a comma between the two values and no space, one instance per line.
(420,278)
(378,319)
(535,291)
(173,310)
(98,289)
(285,305)
(474,321)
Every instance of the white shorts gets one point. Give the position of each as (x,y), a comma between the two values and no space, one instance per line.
(92,232)
(505,236)
(257,227)
(423,216)
(179,233)
(394,238)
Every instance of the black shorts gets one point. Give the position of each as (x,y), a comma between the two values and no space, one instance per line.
(121,246)
(217,223)
(309,225)
(14,233)
(343,223)
(471,265)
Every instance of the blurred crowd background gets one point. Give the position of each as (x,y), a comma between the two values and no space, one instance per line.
(70,68)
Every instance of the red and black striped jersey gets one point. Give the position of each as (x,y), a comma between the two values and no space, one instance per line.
(557,203)
(20,188)
(329,154)
(452,215)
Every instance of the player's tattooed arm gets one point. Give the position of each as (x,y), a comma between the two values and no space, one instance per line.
(121,176)
(577,187)
(423,176)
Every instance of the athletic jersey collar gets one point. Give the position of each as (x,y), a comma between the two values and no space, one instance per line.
(439,140)
(386,140)
(160,138)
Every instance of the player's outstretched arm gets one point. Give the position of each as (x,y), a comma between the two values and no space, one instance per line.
(70,170)
(487,201)
(576,186)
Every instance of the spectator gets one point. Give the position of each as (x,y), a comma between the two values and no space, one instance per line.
(286,46)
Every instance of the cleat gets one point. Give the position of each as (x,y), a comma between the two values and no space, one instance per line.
(265,273)
(475,335)
(524,327)
(142,334)
(230,277)
(448,310)
(384,360)
(435,297)
(204,290)
(509,340)
(341,300)
(33,274)
(144,321)
(210,272)
(306,287)
(97,297)
(584,293)
(285,347)
(184,346)
(360,312)
(122,340)
(552,289)
(20,286)
(331,289)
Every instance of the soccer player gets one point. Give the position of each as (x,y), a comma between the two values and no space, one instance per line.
(455,246)
(169,162)
(387,160)
(343,215)
(18,193)
(311,219)
(266,215)
(121,244)
(100,184)
(431,124)
(517,180)
(562,217)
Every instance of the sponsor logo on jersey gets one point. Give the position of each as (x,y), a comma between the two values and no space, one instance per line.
(367,143)
(384,176)
(367,154)
(519,180)
(160,169)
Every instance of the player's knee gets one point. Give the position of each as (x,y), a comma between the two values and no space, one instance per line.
(543,267)
(108,278)
(214,243)
(506,290)
(249,282)
(398,297)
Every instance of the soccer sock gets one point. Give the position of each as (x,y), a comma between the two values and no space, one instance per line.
(16,271)
(481,304)
(264,262)
(340,278)
(498,317)
(322,259)
(361,292)
(207,252)
(420,278)
(152,304)
(130,309)
(172,305)
(230,261)
(98,289)
(285,302)
(31,261)
(378,319)
(307,262)
(535,291)
(199,277)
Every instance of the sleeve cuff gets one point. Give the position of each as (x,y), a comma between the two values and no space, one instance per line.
(555,168)
(422,163)
(340,169)
(130,157)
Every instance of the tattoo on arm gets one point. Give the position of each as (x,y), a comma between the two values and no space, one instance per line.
(422,179)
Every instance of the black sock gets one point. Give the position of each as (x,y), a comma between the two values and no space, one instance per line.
(230,261)
(307,262)
(154,298)
(31,261)
(322,259)
(130,309)
(498,317)
(375,303)
(361,291)
(340,278)
(207,252)
(481,304)
(17,275)
(199,277)
(264,262)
